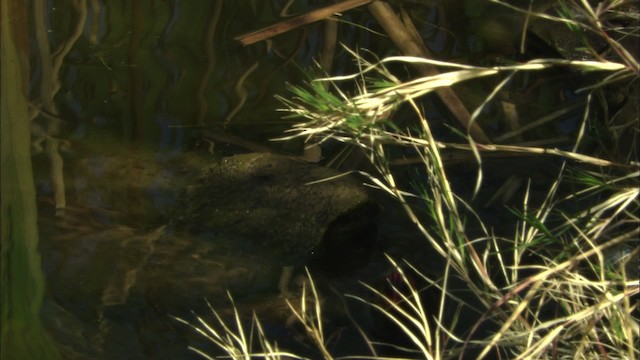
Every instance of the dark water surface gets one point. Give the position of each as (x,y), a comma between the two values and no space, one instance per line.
(117,274)
(139,84)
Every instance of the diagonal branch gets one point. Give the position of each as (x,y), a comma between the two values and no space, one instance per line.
(295,22)
(406,38)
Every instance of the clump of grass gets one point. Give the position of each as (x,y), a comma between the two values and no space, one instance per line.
(561,285)
(234,340)
(238,342)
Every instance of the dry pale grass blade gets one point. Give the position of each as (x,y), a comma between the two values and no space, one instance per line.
(535,282)
(536,123)
(537,14)
(416,337)
(225,339)
(412,322)
(474,116)
(311,319)
(270,350)
(533,65)
(368,66)
(606,181)
(369,106)
(617,203)
(389,186)
(387,99)
(587,303)
(593,19)
(586,18)
(234,342)
(590,307)
(406,140)
(446,297)
(444,201)
(544,151)
(541,348)
(414,302)
(444,206)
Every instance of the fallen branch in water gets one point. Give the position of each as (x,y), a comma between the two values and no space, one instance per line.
(406,38)
(295,22)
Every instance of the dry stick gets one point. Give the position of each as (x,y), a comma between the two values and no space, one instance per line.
(295,22)
(329,41)
(411,45)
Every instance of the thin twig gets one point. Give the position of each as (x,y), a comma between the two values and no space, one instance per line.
(301,20)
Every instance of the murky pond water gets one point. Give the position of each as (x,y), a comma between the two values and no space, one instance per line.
(125,256)
(140,83)
(143,219)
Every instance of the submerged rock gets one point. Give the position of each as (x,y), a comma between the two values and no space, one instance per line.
(280,206)
(116,268)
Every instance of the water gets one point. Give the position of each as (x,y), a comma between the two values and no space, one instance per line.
(139,85)
(137,88)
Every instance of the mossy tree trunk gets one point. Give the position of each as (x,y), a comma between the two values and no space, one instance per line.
(22,279)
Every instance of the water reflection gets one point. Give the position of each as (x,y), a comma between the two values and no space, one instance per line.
(124,86)
(119,90)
